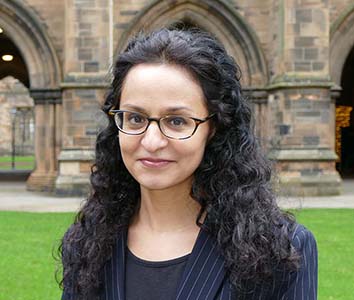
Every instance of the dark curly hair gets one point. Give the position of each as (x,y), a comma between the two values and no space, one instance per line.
(232,183)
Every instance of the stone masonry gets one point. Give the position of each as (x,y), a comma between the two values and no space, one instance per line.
(283,47)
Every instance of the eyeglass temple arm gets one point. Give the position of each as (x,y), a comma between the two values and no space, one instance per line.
(112,112)
(199,121)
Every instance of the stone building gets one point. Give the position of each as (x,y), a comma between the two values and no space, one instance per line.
(16,118)
(297,60)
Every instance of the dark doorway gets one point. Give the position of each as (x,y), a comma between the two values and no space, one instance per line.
(11,61)
(17,112)
(345,120)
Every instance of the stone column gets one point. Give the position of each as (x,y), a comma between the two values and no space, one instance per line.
(259,104)
(302,113)
(47,102)
(87,56)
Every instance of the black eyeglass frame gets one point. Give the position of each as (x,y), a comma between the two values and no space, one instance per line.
(197,122)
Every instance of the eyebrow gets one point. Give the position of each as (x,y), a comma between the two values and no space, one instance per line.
(168,109)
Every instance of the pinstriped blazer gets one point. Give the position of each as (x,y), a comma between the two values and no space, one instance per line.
(204,277)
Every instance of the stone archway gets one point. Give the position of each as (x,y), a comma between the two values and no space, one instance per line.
(341,70)
(341,43)
(227,25)
(216,17)
(24,28)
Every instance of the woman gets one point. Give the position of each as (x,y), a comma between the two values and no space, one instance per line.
(182,206)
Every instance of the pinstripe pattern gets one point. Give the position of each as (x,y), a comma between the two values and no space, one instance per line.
(204,275)
(114,271)
(204,271)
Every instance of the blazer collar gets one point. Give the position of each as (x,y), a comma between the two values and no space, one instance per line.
(204,271)
(202,277)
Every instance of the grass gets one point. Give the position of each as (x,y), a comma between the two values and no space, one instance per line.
(334,232)
(27,267)
(8,158)
(26,264)
(21,162)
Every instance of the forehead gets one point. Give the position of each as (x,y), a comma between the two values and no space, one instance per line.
(155,87)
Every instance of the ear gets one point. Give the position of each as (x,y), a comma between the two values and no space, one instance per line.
(212,132)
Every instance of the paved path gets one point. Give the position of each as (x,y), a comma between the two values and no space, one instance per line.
(13,196)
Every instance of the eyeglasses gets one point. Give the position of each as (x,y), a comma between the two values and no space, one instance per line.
(176,127)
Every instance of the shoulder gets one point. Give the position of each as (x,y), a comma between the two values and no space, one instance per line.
(301,283)
(302,239)
(298,235)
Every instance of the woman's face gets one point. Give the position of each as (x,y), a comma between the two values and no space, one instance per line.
(154,160)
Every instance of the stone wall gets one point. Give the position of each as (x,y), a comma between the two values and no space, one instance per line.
(52,15)
(303,141)
(291,91)
(339,7)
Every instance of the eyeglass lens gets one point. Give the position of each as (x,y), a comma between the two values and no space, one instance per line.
(175,126)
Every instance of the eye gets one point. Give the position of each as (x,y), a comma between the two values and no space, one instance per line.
(136,118)
(177,121)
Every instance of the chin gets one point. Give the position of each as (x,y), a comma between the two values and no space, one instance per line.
(163,182)
(155,186)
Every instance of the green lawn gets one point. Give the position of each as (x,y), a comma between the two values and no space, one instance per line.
(26,264)
(334,232)
(21,162)
(27,267)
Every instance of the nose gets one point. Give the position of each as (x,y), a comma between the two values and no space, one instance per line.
(153,139)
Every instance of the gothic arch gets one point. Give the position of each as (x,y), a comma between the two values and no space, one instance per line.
(25,29)
(216,17)
(23,26)
(341,42)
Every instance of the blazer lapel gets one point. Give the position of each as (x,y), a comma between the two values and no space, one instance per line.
(202,279)
(115,270)
(204,272)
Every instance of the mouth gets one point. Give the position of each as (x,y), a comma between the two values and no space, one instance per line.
(154,163)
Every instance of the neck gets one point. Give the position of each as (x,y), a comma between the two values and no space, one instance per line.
(166,210)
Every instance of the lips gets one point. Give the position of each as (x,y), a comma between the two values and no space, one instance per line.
(154,162)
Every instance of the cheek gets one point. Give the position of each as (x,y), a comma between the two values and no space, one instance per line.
(127,148)
(192,154)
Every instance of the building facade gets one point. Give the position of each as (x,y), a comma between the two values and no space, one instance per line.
(296,56)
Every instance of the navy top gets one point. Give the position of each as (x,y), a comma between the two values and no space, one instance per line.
(151,280)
